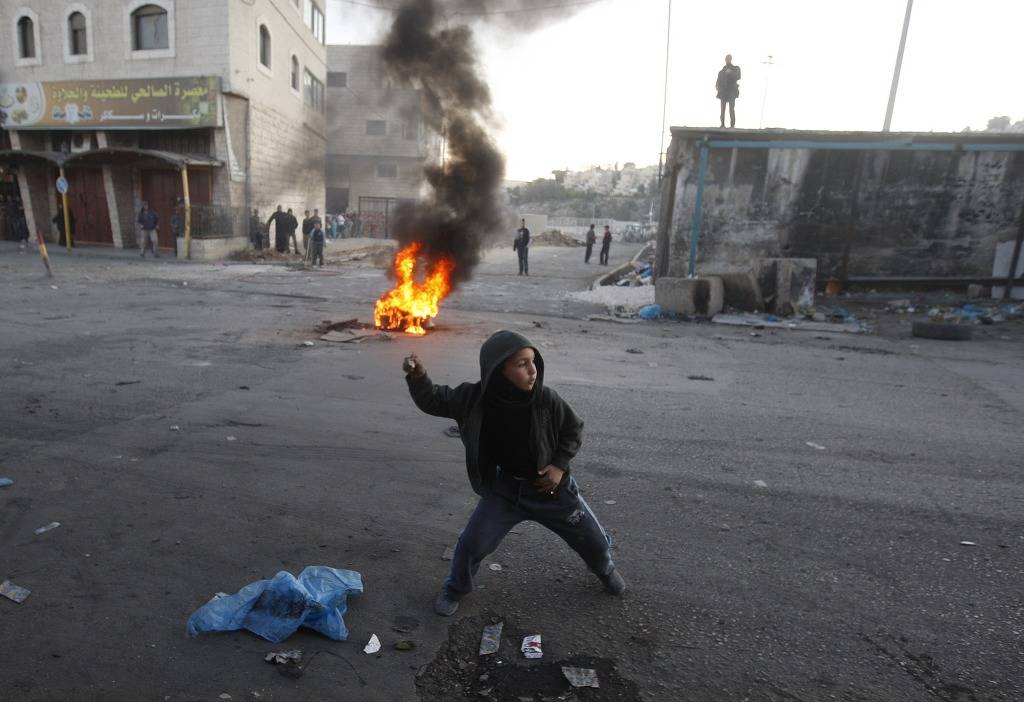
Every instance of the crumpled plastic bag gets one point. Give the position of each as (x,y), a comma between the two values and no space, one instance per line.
(276,608)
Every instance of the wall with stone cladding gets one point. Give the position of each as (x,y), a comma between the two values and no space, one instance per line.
(199,42)
(894,213)
(287,163)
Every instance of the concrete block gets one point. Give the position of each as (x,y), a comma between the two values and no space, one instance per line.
(742,291)
(1001,268)
(786,283)
(689,296)
(716,296)
(676,295)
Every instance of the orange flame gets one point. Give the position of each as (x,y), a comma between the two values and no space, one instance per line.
(408,305)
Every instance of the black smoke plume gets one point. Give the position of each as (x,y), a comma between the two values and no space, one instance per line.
(430,47)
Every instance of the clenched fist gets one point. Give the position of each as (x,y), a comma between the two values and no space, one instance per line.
(413,366)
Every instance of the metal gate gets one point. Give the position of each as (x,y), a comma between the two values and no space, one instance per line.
(376,215)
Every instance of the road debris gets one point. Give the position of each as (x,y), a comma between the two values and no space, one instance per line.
(609,502)
(403,624)
(175,427)
(232,438)
(968,543)
(847,324)
(815,446)
(373,645)
(580,677)
(405,645)
(496,567)
(699,377)
(532,646)
(328,325)
(283,657)
(15,593)
(448,554)
(760,483)
(6,482)
(634,351)
(48,527)
(453,431)
(490,639)
(307,344)
(277,607)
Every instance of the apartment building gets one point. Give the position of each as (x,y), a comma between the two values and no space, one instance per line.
(377,143)
(133,99)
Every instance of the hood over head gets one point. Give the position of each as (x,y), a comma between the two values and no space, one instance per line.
(498,348)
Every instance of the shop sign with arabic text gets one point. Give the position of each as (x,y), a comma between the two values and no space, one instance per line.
(161,103)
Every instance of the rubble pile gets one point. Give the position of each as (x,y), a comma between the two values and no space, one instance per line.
(642,274)
(554,237)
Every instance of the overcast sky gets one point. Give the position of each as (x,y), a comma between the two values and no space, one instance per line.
(587,89)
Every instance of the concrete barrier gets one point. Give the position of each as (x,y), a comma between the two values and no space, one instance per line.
(689,296)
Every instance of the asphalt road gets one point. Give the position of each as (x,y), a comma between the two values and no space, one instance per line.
(760,567)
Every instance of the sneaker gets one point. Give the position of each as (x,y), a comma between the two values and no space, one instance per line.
(613,583)
(445,606)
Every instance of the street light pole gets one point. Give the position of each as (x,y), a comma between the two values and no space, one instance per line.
(896,71)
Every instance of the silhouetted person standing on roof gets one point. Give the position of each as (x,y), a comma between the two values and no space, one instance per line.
(728,87)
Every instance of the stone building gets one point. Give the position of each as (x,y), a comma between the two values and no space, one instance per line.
(131,98)
(377,143)
(864,205)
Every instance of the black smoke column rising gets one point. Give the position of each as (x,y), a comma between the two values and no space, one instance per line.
(465,208)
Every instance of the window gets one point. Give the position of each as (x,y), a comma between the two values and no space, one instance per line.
(149,28)
(336,79)
(387,170)
(411,131)
(295,74)
(264,46)
(77,41)
(376,127)
(26,38)
(314,19)
(312,91)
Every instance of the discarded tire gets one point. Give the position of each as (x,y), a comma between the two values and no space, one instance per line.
(942,330)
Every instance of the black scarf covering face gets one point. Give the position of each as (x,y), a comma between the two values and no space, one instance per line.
(506,426)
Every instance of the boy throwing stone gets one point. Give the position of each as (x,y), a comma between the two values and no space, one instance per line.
(520,437)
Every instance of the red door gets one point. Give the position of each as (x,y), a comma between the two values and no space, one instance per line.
(162,188)
(87,200)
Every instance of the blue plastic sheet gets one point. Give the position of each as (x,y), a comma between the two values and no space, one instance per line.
(276,608)
(650,311)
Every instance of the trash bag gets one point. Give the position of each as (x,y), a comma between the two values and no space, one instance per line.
(276,608)
(650,311)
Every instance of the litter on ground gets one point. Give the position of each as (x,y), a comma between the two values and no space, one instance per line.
(15,593)
(277,607)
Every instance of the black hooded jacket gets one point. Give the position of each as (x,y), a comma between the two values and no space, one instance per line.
(555,430)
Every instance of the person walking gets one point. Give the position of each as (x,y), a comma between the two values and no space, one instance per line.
(256,230)
(520,438)
(606,245)
(591,240)
(148,222)
(521,246)
(316,238)
(728,89)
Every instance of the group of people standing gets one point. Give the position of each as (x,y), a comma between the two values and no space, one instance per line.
(606,244)
(521,245)
(315,231)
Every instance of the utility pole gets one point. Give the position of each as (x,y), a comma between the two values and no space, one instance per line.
(896,71)
(664,94)
(768,62)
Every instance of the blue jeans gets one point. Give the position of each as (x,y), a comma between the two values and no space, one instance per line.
(510,502)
